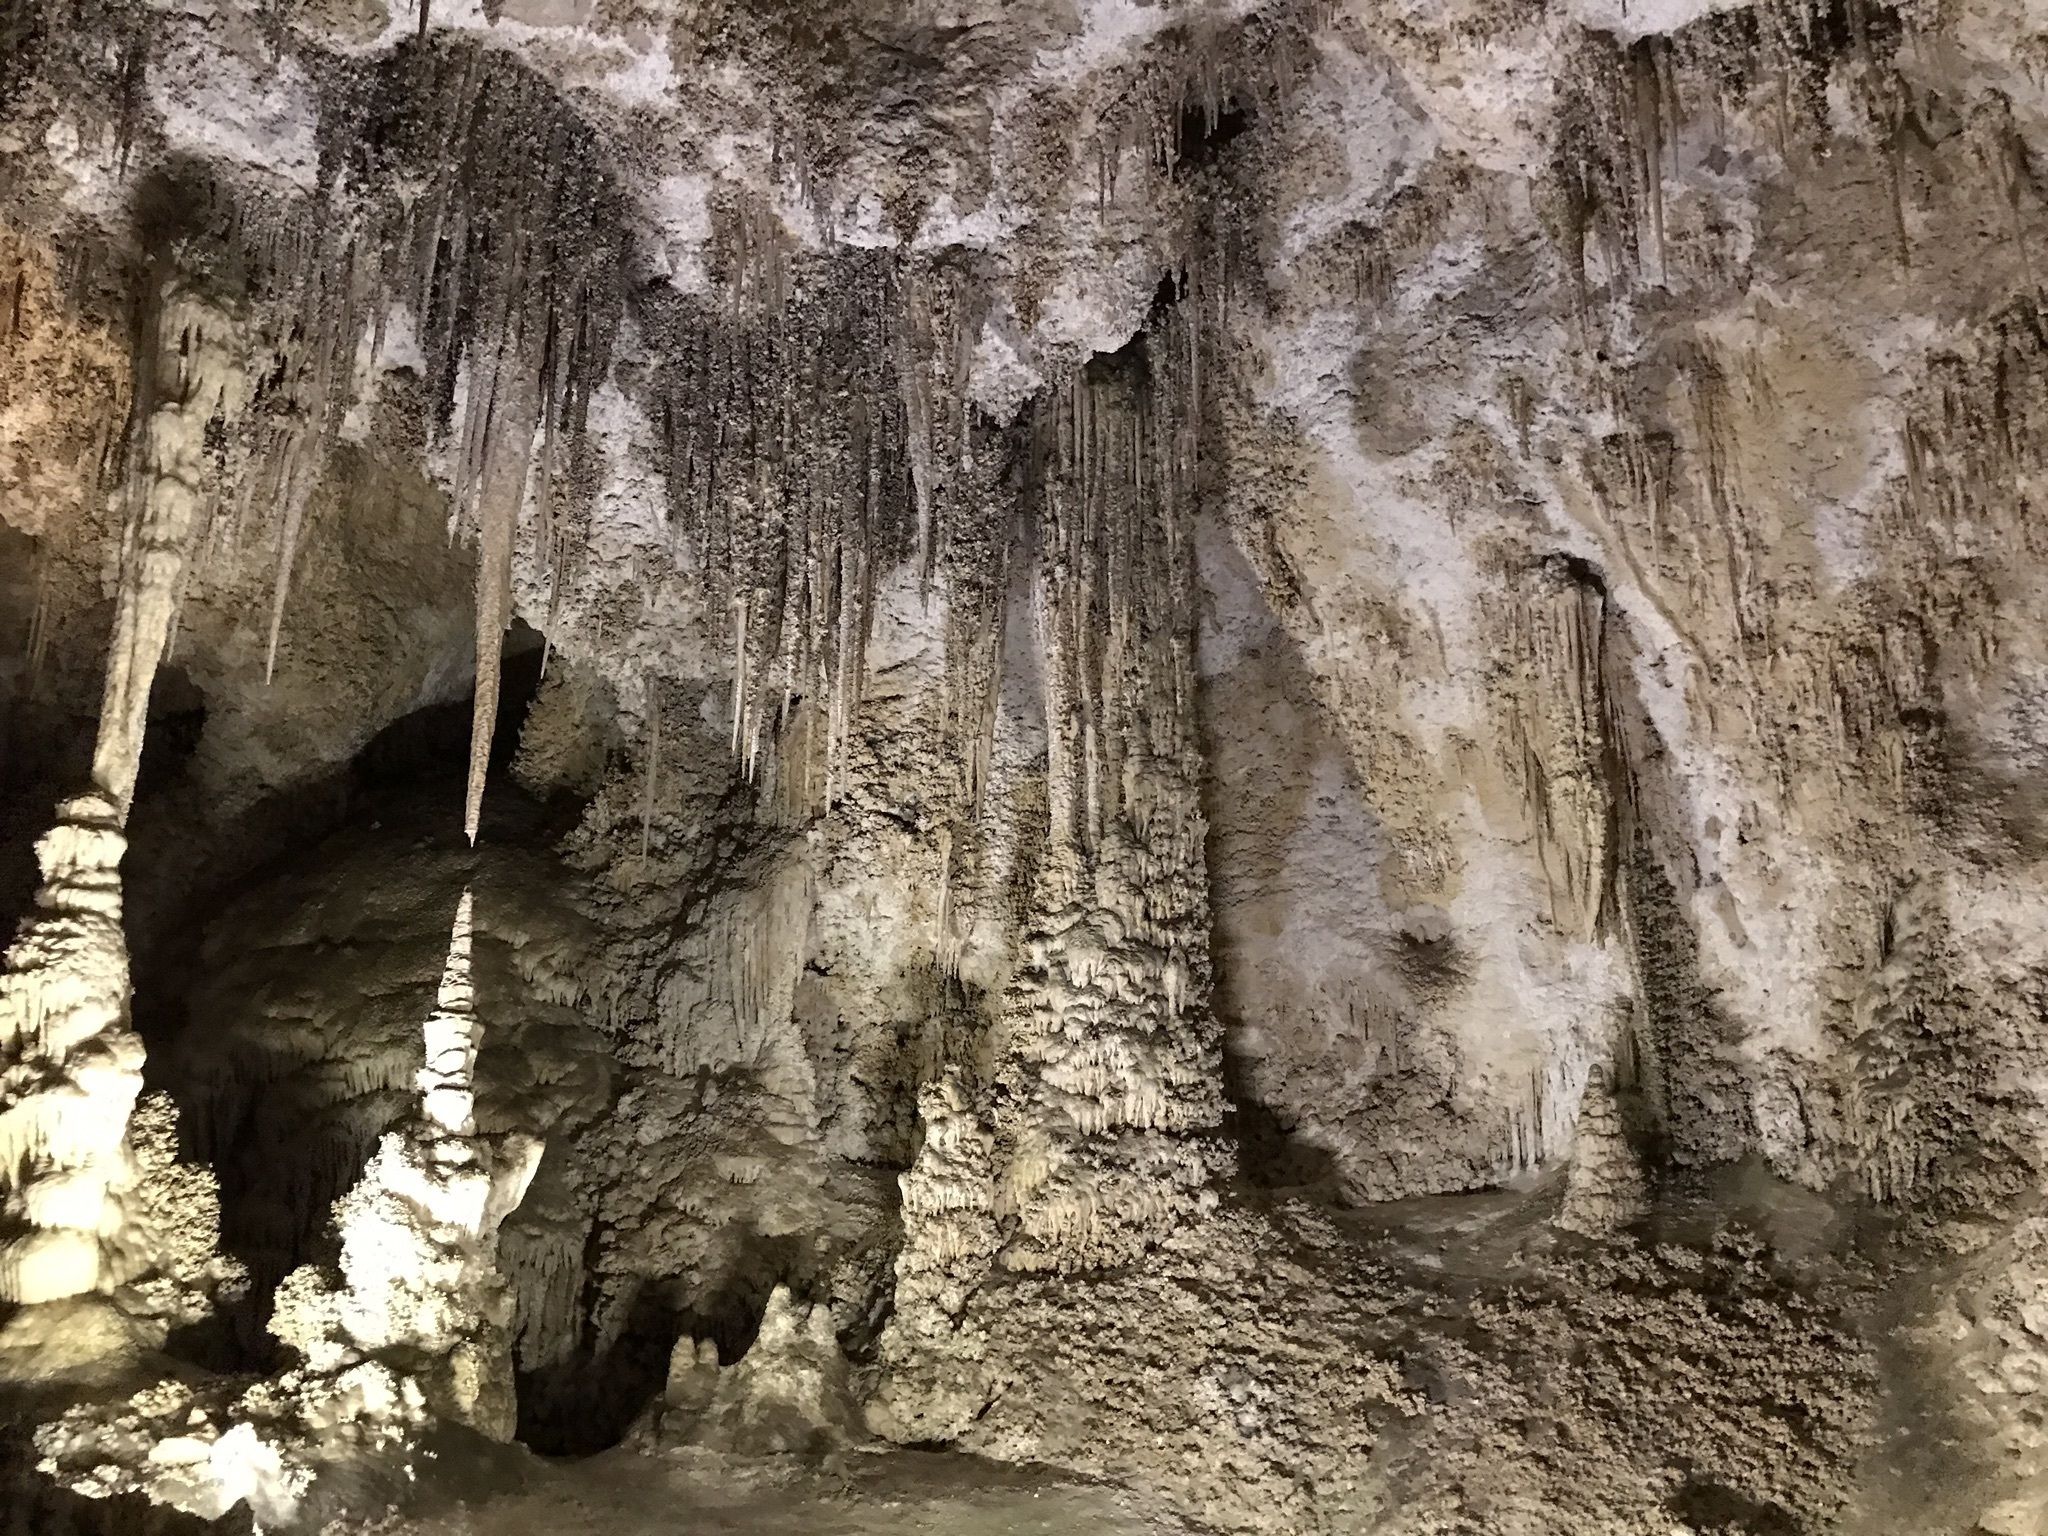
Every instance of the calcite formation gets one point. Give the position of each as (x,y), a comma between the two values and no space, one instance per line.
(411,1330)
(420,1323)
(74,1065)
(789,1392)
(76,1071)
(1284,752)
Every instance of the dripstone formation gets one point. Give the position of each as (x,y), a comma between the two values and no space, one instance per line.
(1268,766)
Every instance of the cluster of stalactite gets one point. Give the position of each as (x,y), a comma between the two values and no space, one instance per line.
(1622,110)
(816,434)
(458,197)
(1978,439)
(1208,77)
(1557,740)
(965,504)
(787,466)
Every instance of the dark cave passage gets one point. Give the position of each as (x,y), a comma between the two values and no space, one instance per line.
(589,1402)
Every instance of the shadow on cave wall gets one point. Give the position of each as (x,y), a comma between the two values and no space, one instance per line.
(1270,1153)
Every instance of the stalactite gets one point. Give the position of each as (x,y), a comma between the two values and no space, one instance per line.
(650,792)
(543,1266)
(36,648)
(1555,737)
(195,381)
(788,464)
(300,415)
(501,495)
(2004,149)
(1648,66)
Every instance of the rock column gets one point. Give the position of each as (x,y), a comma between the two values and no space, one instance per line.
(70,1066)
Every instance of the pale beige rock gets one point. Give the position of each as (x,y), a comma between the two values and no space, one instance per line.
(1209,663)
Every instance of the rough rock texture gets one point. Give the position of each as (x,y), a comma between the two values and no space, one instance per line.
(1297,743)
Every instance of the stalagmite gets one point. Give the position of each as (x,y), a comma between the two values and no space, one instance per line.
(789,1392)
(420,1321)
(64,1024)
(1605,1188)
(935,1377)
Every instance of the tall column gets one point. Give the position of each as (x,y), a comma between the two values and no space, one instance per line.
(1110,1058)
(70,1066)
(1100,1134)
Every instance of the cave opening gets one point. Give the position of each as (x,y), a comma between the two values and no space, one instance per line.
(590,1402)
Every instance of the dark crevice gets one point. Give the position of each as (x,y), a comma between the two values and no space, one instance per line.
(587,1404)
(1203,135)
(590,1402)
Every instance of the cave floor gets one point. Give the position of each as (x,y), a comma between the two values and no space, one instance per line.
(856,1493)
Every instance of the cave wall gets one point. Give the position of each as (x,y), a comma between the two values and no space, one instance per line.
(1138,603)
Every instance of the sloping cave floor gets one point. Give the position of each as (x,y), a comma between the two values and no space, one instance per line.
(1453,1257)
(852,1493)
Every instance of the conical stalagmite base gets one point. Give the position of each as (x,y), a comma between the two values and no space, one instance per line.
(1605,1188)
(64,1229)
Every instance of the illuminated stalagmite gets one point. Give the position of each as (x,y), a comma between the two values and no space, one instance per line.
(412,1330)
(419,1323)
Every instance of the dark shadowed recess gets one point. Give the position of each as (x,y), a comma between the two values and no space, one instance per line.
(1200,139)
(590,1402)
(408,779)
